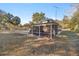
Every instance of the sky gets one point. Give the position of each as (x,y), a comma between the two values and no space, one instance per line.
(26,10)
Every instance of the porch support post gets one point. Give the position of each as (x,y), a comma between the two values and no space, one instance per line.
(39,30)
(32,30)
(51,31)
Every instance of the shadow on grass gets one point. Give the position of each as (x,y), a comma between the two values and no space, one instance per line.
(73,40)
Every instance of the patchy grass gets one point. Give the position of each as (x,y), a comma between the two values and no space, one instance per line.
(23,45)
(39,48)
(9,42)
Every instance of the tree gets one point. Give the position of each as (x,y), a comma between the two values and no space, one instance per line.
(8,21)
(65,19)
(75,21)
(36,17)
(66,22)
(3,21)
(10,16)
(16,20)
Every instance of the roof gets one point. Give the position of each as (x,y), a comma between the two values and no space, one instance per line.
(46,22)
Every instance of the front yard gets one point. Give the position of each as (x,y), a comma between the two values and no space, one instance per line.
(66,44)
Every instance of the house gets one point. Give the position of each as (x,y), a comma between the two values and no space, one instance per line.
(47,28)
